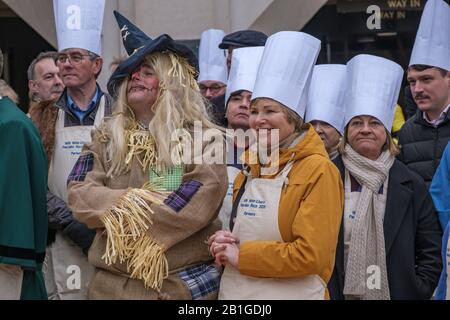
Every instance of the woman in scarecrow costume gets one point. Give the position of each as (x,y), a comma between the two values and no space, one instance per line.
(152,208)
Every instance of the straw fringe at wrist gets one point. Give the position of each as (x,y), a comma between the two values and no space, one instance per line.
(126,224)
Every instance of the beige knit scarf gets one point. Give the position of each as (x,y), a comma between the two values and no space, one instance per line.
(367,247)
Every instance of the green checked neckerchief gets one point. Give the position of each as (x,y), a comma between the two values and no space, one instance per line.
(23,203)
(167,179)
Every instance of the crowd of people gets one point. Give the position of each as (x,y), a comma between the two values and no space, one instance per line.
(250,172)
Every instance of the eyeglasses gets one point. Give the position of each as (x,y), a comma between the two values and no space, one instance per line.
(74,58)
(214,88)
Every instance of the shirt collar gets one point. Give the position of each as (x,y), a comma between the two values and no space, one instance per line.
(439,120)
(81,114)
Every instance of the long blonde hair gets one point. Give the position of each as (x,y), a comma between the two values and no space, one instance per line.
(179,104)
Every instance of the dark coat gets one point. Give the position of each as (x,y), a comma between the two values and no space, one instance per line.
(422,145)
(412,238)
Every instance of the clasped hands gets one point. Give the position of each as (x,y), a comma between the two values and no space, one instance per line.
(224,248)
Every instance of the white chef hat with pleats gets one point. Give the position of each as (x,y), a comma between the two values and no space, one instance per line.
(373,86)
(244,67)
(432,45)
(286,68)
(212,60)
(79,24)
(326,95)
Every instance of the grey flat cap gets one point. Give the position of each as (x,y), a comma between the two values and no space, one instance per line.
(244,38)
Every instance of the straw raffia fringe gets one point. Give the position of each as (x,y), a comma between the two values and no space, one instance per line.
(126,224)
(182,70)
(150,264)
(140,142)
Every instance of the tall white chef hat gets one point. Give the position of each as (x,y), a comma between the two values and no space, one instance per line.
(432,45)
(212,60)
(326,95)
(286,69)
(244,67)
(79,24)
(373,86)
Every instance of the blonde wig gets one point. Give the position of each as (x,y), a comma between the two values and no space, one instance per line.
(178,105)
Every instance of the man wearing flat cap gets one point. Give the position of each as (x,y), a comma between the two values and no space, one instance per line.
(241,39)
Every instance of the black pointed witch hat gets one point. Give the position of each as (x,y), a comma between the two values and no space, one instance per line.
(138,45)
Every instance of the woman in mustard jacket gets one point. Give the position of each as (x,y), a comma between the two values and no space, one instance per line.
(287,210)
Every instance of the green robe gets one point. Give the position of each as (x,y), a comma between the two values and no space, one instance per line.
(23,203)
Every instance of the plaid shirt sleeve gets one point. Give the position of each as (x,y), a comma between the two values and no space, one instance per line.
(201,280)
(178,199)
(82,167)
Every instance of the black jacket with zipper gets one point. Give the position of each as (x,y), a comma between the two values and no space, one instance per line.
(422,145)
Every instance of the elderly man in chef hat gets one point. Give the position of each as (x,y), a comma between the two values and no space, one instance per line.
(81,107)
(212,79)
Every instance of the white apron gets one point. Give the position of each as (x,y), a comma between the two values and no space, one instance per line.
(257,219)
(227,206)
(68,272)
(11,278)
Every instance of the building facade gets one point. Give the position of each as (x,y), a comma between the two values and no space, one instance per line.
(345,27)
